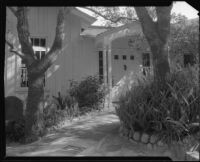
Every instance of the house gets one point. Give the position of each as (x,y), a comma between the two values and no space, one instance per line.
(89,50)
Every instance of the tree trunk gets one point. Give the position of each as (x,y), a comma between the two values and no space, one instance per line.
(160,60)
(36,69)
(34,126)
(157,34)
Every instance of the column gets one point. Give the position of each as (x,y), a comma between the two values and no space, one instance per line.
(104,66)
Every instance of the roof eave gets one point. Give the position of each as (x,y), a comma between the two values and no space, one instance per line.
(83,15)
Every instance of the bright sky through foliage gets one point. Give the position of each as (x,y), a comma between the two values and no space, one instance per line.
(179,7)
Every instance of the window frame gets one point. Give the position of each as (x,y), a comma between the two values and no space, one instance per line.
(146,64)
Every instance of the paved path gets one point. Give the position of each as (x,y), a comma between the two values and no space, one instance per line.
(95,135)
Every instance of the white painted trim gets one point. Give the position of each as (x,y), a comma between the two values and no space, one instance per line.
(117,29)
(83,15)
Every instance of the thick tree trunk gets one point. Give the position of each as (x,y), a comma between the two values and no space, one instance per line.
(34,108)
(157,34)
(160,60)
(36,68)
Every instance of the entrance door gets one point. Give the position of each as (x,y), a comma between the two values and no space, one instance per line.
(124,62)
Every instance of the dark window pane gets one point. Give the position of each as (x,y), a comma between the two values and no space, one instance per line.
(37,53)
(36,42)
(32,41)
(42,54)
(100,71)
(188,60)
(42,42)
(44,81)
(146,59)
(116,57)
(24,78)
(132,57)
(100,63)
(124,57)
(101,66)
(22,62)
(100,54)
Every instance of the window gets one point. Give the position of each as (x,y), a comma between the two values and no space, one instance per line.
(116,57)
(40,42)
(188,60)
(124,57)
(101,66)
(82,29)
(146,59)
(131,57)
(145,62)
(39,52)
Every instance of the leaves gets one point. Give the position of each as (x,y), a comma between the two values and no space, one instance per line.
(183,37)
(167,111)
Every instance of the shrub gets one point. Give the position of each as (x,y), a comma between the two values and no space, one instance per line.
(59,108)
(15,130)
(166,112)
(13,108)
(89,93)
(53,114)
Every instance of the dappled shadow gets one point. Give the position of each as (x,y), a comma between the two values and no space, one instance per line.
(93,129)
(80,134)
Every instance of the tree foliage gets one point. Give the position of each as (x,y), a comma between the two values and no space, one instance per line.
(184,37)
(115,16)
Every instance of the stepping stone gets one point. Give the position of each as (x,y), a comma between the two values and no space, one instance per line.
(161,144)
(153,139)
(136,136)
(74,149)
(167,153)
(145,138)
(149,146)
(132,141)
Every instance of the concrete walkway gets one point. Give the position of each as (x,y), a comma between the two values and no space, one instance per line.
(95,135)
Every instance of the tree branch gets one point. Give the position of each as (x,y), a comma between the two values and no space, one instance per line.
(24,34)
(56,48)
(13,11)
(15,50)
(147,23)
(60,34)
(110,19)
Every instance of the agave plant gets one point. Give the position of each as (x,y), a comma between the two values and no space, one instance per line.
(167,111)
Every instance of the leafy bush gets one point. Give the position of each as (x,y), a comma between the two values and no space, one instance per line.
(89,93)
(53,113)
(59,108)
(15,130)
(166,112)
